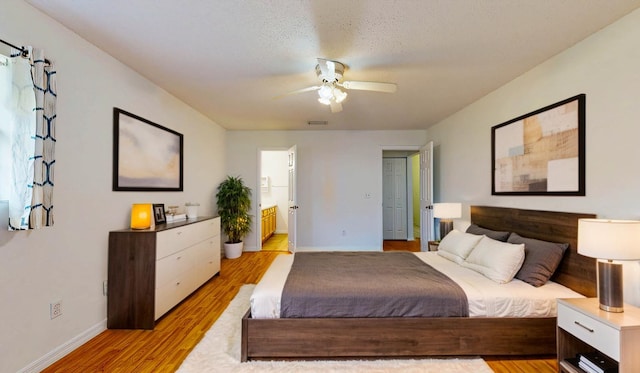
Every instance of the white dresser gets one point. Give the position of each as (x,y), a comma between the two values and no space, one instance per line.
(150,271)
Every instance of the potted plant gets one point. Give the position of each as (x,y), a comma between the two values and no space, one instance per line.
(234,204)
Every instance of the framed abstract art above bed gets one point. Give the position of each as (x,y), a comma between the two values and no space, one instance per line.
(542,152)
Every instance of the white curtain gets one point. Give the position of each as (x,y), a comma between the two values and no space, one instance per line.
(20,126)
(29,124)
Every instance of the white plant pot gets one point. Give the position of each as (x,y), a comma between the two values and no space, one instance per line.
(233,250)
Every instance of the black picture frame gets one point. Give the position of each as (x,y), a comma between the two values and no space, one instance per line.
(146,155)
(158,213)
(542,152)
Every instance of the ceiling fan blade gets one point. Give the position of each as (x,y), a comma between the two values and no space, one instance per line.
(328,69)
(370,86)
(314,88)
(336,107)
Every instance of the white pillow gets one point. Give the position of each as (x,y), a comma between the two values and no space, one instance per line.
(498,261)
(456,245)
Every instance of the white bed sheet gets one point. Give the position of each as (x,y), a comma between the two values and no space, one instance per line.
(486,297)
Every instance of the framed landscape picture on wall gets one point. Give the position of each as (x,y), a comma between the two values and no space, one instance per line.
(542,152)
(146,155)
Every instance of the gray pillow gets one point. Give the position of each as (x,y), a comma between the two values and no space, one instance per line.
(496,235)
(541,258)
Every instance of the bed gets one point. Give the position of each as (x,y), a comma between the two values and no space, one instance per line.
(406,337)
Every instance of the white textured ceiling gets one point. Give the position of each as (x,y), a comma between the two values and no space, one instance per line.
(229,58)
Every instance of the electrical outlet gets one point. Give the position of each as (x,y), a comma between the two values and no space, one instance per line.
(55,309)
(104,288)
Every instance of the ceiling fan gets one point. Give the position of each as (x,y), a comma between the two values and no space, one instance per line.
(330,92)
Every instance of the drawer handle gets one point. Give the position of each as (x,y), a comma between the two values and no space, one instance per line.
(178,283)
(584,327)
(178,258)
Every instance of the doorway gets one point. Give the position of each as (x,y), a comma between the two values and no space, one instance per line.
(395,190)
(407,195)
(273,201)
(399,210)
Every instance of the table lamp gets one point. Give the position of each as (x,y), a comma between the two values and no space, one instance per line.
(141,216)
(446,212)
(609,240)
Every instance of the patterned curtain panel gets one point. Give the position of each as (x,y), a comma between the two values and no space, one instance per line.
(44,86)
(20,127)
(30,128)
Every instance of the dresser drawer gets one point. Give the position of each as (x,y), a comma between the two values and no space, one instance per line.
(208,259)
(597,334)
(173,292)
(173,265)
(174,240)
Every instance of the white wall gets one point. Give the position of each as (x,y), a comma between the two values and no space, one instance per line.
(275,166)
(69,261)
(335,171)
(606,68)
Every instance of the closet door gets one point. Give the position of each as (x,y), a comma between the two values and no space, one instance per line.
(394,203)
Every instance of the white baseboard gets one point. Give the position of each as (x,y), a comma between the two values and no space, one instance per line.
(65,348)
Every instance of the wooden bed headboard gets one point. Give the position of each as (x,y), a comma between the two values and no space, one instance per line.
(576,271)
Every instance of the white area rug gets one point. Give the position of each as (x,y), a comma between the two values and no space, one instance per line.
(219,351)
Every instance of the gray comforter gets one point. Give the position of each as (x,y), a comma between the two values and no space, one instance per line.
(369,284)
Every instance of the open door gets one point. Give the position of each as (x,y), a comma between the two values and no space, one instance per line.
(427,230)
(293,203)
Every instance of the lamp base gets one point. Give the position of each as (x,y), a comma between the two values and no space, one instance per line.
(446,226)
(610,292)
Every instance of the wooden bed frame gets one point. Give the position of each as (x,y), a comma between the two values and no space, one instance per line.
(358,338)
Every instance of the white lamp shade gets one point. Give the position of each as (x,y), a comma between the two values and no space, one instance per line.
(447,210)
(609,239)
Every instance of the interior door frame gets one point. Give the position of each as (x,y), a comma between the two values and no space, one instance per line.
(383,148)
(258,193)
(292,203)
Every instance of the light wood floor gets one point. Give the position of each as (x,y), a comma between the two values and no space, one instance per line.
(175,335)
(400,245)
(277,242)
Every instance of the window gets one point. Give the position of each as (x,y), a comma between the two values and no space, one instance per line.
(5,150)
(17,143)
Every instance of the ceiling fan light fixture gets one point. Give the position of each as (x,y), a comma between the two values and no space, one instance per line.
(329,92)
(332,90)
(324,101)
(325,92)
(339,95)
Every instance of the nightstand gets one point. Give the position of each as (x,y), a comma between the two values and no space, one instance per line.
(584,327)
(433,245)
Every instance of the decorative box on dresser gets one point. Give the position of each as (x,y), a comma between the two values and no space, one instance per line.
(583,328)
(152,270)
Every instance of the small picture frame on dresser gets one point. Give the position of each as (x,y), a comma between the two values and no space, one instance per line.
(158,213)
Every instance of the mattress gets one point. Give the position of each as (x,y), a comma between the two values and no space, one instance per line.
(486,298)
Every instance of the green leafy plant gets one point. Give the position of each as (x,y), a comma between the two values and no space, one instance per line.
(234,204)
